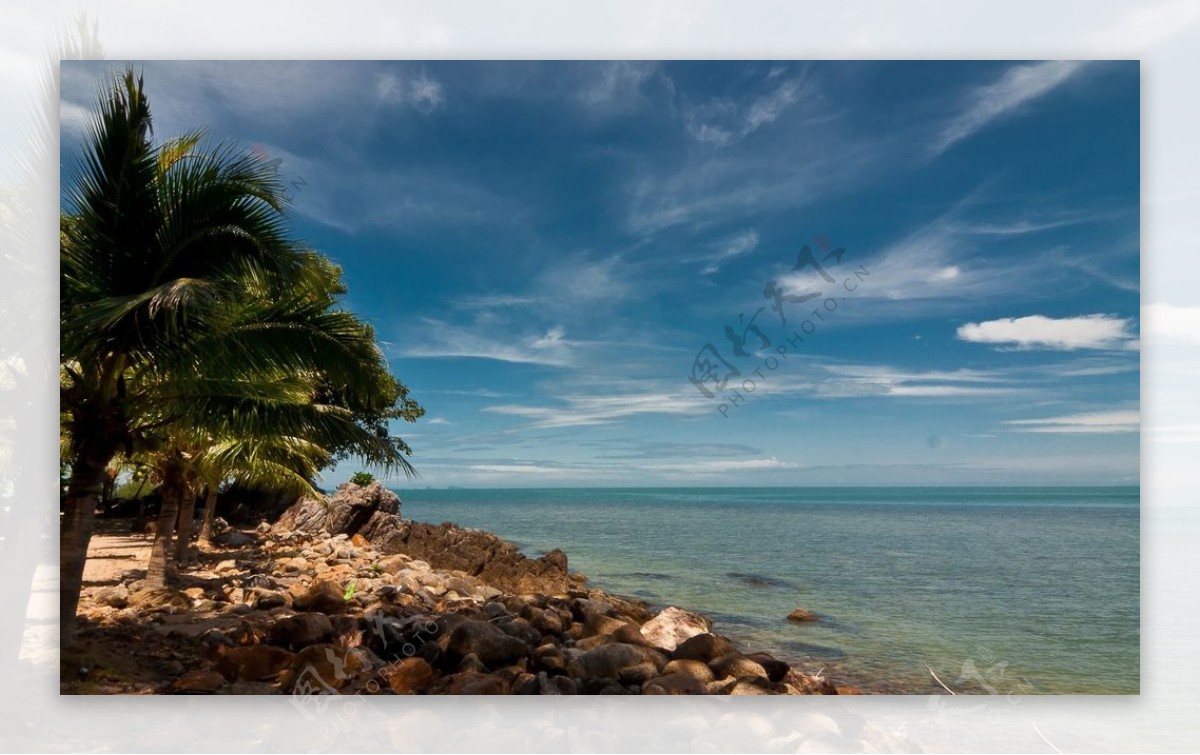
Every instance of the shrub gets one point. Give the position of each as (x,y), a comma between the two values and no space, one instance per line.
(362,478)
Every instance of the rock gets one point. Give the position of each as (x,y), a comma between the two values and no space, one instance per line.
(234,539)
(550,659)
(776,669)
(159,599)
(300,631)
(251,662)
(698,670)
(674,684)
(808,684)
(487,641)
(639,674)
(346,512)
(674,625)
(408,675)
(522,630)
(227,565)
(703,647)
(737,666)
(597,624)
(327,665)
(392,564)
(470,683)
(630,634)
(323,596)
(116,596)
(198,682)
(802,615)
(358,541)
(608,660)
(294,565)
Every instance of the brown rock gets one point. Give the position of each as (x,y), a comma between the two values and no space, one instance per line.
(674,684)
(408,676)
(159,599)
(327,665)
(200,682)
(776,669)
(470,683)
(698,670)
(608,660)
(487,641)
(703,647)
(808,684)
(116,596)
(251,662)
(358,541)
(737,666)
(802,615)
(322,596)
(300,631)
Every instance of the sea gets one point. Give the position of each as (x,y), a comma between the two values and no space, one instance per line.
(982,590)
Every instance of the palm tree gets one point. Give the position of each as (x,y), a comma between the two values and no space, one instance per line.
(187,312)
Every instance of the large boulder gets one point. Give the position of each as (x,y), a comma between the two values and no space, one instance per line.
(703,647)
(674,625)
(488,642)
(608,661)
(346,511)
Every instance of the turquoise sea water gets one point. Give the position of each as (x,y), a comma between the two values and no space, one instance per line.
(1002,589)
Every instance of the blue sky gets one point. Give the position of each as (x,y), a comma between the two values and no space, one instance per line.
(547,249)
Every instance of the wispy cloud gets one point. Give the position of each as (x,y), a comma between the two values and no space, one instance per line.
(443,340)
(1018,86)
(421,91)
(735,246)
(720,466)
(725,121)
(1086,423)
(584,410)
(1097,331)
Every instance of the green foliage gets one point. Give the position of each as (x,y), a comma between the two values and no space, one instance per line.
(349,591)
(362,479)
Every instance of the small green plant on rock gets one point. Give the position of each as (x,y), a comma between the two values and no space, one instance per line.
(362,479)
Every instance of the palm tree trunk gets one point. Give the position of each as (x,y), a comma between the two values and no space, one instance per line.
(79,518)
(210,514)
(161,551)
(184,535)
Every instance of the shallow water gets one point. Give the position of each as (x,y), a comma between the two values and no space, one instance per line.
(1001,590)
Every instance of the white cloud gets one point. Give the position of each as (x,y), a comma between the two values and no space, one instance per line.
(718,466)
(722,122)
(1169,322)
(421,91)
(735,246)
(1123,421)
(1018,85)
(443,340)
(1097,331)
(437,421)
(582,410)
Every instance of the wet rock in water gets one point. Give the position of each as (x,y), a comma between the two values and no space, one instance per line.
(737,666)
(809,684)
(408,675)
(159,599)
(802,615)
(698,670)
(251,662)
(491,644)
(300,631)
(775,668)
(674,684)
(674,625)
(323,596)
(608,660)
(116,596)
(201,682)
(703,647)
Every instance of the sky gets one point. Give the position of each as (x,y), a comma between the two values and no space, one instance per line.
(715,273)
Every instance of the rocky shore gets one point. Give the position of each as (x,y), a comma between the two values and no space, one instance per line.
(342,595)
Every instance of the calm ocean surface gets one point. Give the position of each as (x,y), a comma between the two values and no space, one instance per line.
(1006,590)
